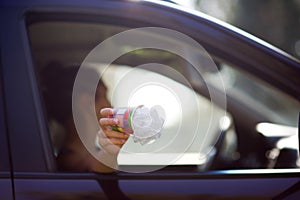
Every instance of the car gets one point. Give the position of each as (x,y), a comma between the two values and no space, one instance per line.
(230,100)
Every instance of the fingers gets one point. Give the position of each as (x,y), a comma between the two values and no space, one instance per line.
(112,141)
(106,112)
(114,134)
(109,139)
(108,121)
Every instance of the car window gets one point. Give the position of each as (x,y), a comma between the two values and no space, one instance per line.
(198,131)
(124,77)
(267,129)
(262,97)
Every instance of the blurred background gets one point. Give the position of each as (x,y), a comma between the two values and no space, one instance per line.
(275,21)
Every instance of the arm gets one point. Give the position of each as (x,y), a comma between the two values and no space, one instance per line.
(75,156)
(110,141)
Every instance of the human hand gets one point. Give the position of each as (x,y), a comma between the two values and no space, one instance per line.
(110,140)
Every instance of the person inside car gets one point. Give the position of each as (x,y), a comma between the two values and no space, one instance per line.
(73,154)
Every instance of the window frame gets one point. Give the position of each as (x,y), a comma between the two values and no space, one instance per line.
(6,171)
(4,142)
(85,14)
(22,105)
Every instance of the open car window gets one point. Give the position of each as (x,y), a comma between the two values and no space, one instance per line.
(199,130)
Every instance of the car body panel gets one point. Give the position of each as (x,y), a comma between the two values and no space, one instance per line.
(22,123)
(29,142)
(259,185)
(6,187)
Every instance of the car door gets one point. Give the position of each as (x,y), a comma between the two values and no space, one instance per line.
(33,154)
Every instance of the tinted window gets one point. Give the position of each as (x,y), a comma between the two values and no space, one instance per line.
(227,141)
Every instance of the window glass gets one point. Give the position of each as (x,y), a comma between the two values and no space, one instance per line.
(260,96)
(198,131)
(267,129)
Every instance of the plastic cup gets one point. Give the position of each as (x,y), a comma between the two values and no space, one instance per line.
(124,115)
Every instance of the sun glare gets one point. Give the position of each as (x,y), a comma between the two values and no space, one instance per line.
(154,94)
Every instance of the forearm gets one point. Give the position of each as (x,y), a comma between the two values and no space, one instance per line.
(104,162)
